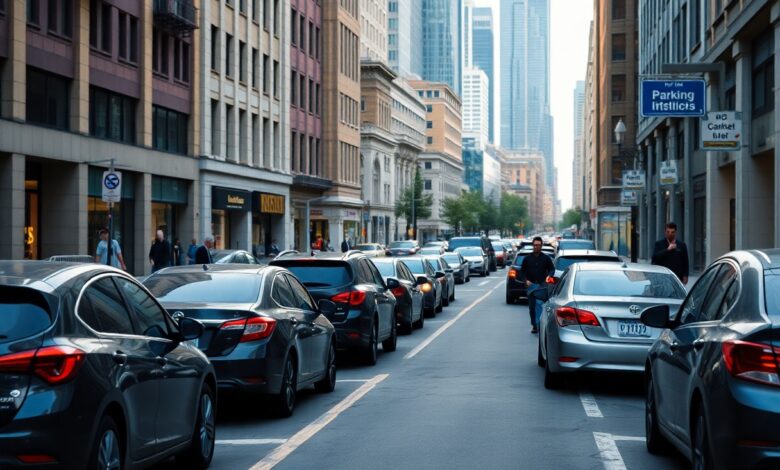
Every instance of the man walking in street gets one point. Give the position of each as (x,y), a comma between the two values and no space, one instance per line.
(672,253)
(203,253)
(101,254)
(345,246)
(535,270)
(160,253)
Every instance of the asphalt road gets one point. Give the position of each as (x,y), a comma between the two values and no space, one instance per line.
(464,392)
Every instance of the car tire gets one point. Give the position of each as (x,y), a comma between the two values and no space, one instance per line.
(389,345)
(371,352)
(107,450)
(440,307)
(201,450)
(552,380)
(700,446)
(655,441)
(421,322)
(285,400)
(328,383)
(452,297)
(509,299)
(539,358)
(445,298)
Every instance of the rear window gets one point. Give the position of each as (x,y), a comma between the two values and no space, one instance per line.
(565,261)
(321,275)
(456,243)
(519,259)
(576,245)
(624,283)
(451,259)
(772,293)
(23,313)
(205,287)
(430,251)
(435,263)
(385,269)
(414,265)
(402,245)
(498,246)
(470,251)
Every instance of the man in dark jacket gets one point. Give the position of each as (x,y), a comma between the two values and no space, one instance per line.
(672,253)
(160,253)
(203,253)
(535,269)
(345,245)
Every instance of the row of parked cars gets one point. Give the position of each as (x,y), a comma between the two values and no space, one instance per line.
(710,356)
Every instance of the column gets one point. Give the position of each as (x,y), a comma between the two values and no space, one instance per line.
(686,165)
(188,218)
(144,120)
(720,186)
(12,206)
(144,232)
(643,219)
(14,78)
(775,18)
(660,212)
(64,209)
(79,98)
(676,210)
(650,232)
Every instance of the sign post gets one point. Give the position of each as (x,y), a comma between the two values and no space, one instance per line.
(721,131)
(111,193)
(634,179)
(673,98)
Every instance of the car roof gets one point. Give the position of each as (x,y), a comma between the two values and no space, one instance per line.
(581,252)
(323,255)
(51,273)
(217,268)
(575,240)
(611,266)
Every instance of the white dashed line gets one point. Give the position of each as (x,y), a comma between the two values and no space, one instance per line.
(608,450)
(351,380)
(484,282)
(249,442)
(590,405)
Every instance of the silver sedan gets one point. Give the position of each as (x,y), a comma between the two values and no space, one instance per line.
(591,321)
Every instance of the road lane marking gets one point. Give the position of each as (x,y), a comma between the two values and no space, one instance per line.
(284,450)
(608,450)
(590,405)
(484,282)
(352,380)
(446,326)
(249,442)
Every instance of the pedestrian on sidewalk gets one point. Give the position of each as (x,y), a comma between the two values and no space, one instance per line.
(671,253)
(160,253)
(101,254)
(203,253)
(191,251)
(535,270)
(177,253)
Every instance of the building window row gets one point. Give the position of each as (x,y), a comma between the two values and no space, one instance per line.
(351,6)
(169,130)
(305,93)
(349,50)
(168,50)
(47,99)
(349,156)
(111,115)
(306,154)
(348,111)
(55,15)
(304,35)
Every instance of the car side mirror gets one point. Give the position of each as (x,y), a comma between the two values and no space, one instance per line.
(440,274)
(326,307)
(422,280)
(392,283)
(656,316)
(190,329)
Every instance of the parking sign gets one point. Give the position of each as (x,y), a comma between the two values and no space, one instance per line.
(112,186)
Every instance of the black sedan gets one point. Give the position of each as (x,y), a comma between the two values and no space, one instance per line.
(264,333)
(459,265)
(433,290)
(408,295)
(713,377)
(95,374)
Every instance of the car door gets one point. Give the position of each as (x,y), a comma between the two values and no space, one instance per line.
(180,385)
(283,295)
(319,333)
(674,362)
(134,370)
(384,299)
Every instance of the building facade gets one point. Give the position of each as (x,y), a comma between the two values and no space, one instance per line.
(482,170)
(85,83)
(523,174)
(476,106)
(441,42)
(482,57)
(405,36)
(373,30)
(578,179)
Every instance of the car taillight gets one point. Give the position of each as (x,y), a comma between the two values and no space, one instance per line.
(566,316)
(354,298)
(427,287)
(254,328)
(398,291)
(54,364)
(512,274)
(752,361)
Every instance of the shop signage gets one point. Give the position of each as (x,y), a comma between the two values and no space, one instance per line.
(112,186)
(634,179)
(350,214)
(721,131)
(668,173)
(672,98)
(629,197)
(230,199)
(269,203)
(315,212)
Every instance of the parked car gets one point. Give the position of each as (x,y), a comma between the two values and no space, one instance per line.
(442,243)
(233,257)
(575,244)
(480,242)
(365,305)
(511,248)
(440,265)
(403,248)
(264,333)
(502,254)
(432,251)
(372,250)
(713,377)
(591,321)
(434,290)
(477,258)
(459,265)
(515,284)
(94,373)
(409,305)
(567,257)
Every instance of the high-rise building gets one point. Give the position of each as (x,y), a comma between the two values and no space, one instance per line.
(467,34)
(578,182)
(441,42)
(373,30)
(482,170)
(476,106)
(405,36)
(482,58)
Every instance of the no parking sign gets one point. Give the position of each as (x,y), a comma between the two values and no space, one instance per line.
(112,186)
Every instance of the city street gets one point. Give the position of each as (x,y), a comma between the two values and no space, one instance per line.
(464,392)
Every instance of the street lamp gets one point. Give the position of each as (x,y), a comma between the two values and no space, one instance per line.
(620,132)
(620,136)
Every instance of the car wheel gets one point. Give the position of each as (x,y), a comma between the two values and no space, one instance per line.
(201,450)
(656,443)
(421,322)
(452,297)
(700,448)
(107,448)
(445,298)
(539,358)
(390,343)
(328,383)
(371,352)
(285,400)
(552,380)
(440,307)
(509,299)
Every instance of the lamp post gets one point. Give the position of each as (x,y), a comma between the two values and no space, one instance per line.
(620,135)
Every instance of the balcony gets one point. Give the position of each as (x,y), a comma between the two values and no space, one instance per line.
(179,17)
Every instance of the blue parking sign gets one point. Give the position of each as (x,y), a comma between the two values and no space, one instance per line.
(673,98)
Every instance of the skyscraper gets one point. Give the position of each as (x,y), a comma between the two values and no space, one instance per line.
(475,106)
(441,42)
(405,35)
(578,184)
(482,58)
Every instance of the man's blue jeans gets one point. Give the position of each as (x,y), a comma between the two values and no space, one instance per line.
(534,304)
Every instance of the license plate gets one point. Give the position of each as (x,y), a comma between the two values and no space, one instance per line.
(632,329)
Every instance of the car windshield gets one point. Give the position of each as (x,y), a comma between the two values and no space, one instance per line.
(452,259)
(435,263)
(456,243)
(470,251)
(564,262)
(402,245)
(519,259)
(205,287)
(321,274)
(628,283)
(414,265)
(385,269)
(430,251)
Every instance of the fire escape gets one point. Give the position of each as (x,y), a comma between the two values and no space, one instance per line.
(179,17)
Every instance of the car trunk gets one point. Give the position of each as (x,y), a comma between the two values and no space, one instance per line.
(25,317)
(324,279)
(619,318)
(215,341)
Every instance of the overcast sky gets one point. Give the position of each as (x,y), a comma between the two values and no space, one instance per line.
(569,28)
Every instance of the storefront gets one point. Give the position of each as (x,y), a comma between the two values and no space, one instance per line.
(267,218)
(230,209)
(614,230)
(123,215)
(32,219)
(169,201)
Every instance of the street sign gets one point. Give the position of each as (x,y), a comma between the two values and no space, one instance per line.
(629,197)
(668,173)
(112,186)
(721,130)
(672,98)
(634,179)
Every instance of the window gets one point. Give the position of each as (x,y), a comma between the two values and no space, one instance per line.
(615,120)
(47,99)
(205,288)
(317,100)
(690,309)
(302,31)
(276,79)
(214,47)
(255,65)
(266,73)
(294,88)
(228,55)
(311,95)
(102,308)
(61,17)
(99,25)
(618,9)
(169,130)
(319,44)
(242,6)
(430,140)
(149,317)
(428,108)
(282,293)
(267,14)
(716,305)
(618,47)
(302,96)
(128,38)
(33,12)
(304,300)
(427,184)
(429,125)
(242,61)
(276,17)
(160,54)
(111,116)
(2,7)
(618,88)
(105,28)
(763,74)
(311,39)
(427,165)
(294,27)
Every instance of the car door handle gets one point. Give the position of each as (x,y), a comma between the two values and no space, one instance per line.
(161,360)
(699,343)
(119,357)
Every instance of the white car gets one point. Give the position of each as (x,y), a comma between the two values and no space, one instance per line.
(478,261)
(372,250)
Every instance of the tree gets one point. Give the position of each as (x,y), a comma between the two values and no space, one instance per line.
(571,217)
(513,212)
(422,203)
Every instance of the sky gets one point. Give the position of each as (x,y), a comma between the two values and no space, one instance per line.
(569,29)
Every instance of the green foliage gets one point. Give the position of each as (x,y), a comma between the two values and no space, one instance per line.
(422,202)
(571,217)
(513,214)
(471,213)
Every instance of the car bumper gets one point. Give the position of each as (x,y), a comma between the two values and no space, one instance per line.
(248,374)
(429,300)
(592,355)
(516,290)
(476,268)
(354,332)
